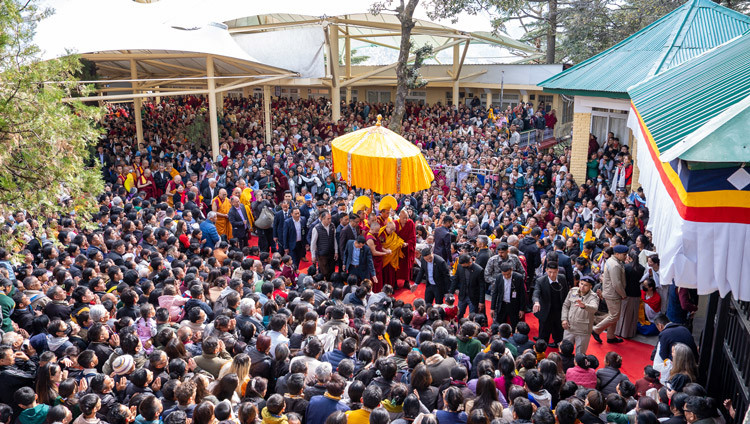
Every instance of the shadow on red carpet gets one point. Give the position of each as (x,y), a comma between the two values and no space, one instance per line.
(636,355)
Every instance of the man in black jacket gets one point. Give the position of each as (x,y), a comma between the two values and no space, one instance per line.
(468,283)
(350,231)
(162,178)
(483,252)
(278,224)
(210,192)
(671,334)
(442,238)
(508,296)
(550,292)
(434,271)
(12,376)
(530,250)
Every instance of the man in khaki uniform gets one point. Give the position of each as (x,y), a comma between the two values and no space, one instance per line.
(578,314)
(613,291)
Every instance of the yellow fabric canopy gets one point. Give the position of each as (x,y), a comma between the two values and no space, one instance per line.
(378,159)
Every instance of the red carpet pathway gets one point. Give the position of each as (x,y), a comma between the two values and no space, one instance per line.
(635,355)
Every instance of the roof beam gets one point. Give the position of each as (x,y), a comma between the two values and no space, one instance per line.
(377,43)
(166,65)
(252,83)
(272,26)
(417,30)
(393,65)
(461,63)
(251,66)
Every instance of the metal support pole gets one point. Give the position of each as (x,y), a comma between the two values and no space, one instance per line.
(456,62)
(333,43)
(212,107)
(136,104)
(267,111)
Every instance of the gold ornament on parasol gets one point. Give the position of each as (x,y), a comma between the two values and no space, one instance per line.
(378,159)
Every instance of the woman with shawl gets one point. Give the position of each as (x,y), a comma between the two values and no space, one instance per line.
(406,230)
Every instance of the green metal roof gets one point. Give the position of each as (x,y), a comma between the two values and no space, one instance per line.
(700,110)
(689,30)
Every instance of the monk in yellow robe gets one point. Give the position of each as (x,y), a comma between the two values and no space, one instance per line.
(221,205)
(391,241)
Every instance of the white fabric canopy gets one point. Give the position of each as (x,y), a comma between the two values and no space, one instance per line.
(707,256)
(303,49)
(95,26)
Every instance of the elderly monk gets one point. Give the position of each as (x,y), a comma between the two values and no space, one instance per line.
(390,241)
(221,205)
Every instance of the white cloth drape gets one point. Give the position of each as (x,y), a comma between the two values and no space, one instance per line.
(707,256)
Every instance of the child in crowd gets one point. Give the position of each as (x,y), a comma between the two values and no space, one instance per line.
(146,326)
(273,413)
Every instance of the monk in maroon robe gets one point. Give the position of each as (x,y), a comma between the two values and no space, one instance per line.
(406,229)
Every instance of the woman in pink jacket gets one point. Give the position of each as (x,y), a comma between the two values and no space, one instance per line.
(584,372)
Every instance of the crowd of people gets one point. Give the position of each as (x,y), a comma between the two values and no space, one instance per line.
(256,287)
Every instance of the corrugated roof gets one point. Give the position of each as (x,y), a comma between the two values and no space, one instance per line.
(680,35)
(686,107)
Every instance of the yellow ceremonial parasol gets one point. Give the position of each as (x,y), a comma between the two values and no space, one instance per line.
(378,159)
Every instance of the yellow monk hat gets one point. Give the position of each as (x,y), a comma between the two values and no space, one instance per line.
(388,202)
(361,202)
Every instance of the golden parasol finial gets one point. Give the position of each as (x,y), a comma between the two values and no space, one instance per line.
(380,118)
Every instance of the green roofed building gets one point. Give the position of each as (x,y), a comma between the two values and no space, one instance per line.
(600,84)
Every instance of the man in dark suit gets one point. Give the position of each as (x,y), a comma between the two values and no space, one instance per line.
(295,229)
(508,296)
(442,238)
(468,283)
(530,250)
(210,192)
(350,231)
(238,219)
(358,259)
(483,252)
(550,292)
(434,271)
(563,260)
(279,219)
(162,178)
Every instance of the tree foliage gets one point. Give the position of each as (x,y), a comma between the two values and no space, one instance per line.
(570,30)
(404,75)
(44,141)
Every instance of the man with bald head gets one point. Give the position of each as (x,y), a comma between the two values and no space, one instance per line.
(239,220)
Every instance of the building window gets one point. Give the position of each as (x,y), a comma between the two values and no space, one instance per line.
(355,95)
(378,96)
(547,99)
(567,109)
(419,97)
(604,121)
(508,99)
(319,92)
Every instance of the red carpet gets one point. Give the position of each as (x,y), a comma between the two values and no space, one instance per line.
(636,355)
